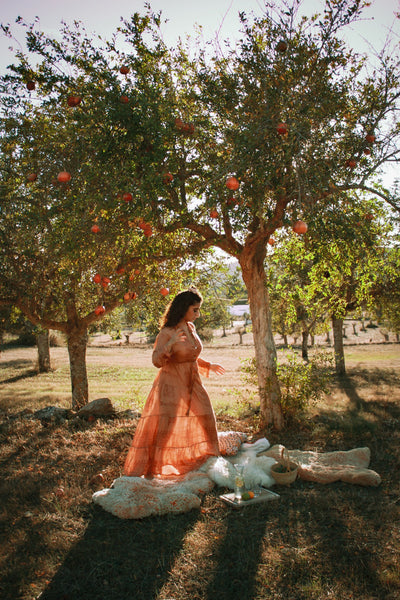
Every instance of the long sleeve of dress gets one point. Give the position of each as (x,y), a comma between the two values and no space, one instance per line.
(204,367)
(160,354)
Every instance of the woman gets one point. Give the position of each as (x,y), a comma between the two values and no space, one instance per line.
(177,431)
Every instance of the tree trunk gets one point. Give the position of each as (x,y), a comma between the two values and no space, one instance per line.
(252,264)
(43,347)
(337,326)
(304,345)
(77,341)
(385,335)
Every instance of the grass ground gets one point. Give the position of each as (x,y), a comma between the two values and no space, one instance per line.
(320,542)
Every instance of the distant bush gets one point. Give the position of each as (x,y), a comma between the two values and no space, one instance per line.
(206,334)
(56,340)
(26,338)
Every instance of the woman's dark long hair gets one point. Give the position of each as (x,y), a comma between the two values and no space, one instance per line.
(179,306)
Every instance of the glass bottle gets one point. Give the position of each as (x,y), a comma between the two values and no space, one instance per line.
(239,482)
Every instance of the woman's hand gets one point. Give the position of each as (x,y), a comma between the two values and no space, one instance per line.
(217,369)
(178,336)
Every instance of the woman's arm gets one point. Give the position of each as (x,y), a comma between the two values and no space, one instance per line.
(163,347)
(205,367)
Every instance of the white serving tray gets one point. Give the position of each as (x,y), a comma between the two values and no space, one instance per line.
(264,496)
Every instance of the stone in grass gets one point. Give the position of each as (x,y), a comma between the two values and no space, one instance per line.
(102,407)
(52,414)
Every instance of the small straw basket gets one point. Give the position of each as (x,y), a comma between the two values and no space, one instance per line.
(284,471)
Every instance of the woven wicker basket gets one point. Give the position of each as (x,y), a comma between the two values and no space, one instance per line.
(285,471)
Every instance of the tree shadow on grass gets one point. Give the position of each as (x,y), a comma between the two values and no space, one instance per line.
(90,554)
(24,368)
(351,386)
(26,375)
(328,539)
(365,414)
(239,554)
(120,559)
(299,547)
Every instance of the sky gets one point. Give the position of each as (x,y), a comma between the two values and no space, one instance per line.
(216,17)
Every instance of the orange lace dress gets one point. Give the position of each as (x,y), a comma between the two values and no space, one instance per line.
(177,431)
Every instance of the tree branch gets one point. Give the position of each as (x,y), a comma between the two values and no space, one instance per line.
(366,188)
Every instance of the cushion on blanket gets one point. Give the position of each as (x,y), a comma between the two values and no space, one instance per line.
(229,442)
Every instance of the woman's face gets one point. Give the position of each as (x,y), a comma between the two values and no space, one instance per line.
(192,312)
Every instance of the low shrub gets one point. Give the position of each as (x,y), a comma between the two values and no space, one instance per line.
(302,382)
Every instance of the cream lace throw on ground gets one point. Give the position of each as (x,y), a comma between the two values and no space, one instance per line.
(350,466)
(136,497)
